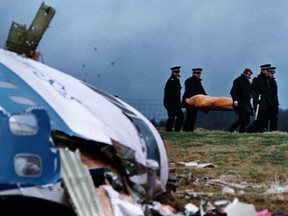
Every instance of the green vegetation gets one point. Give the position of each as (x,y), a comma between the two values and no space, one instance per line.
(256,158)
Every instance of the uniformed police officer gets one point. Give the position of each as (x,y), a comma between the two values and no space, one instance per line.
(261,93)
(172,101)
(274,102)
(193,86)
(241,93)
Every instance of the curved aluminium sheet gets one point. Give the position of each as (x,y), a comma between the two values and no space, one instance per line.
(73,107)
(28,155)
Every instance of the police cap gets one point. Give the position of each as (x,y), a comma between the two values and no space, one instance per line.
(265,67)
(175,68)
(197,70)
(272,70)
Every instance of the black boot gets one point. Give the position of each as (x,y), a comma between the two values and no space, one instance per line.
(233,126)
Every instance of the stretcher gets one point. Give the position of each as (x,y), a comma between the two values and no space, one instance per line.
(206,102)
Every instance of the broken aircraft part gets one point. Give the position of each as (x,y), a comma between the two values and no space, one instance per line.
(111,135)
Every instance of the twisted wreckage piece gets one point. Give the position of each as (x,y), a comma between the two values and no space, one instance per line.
(210,103)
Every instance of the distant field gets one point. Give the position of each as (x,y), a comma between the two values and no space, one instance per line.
(252,167)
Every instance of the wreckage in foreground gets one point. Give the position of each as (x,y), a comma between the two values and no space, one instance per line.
(69,148)
(61,136)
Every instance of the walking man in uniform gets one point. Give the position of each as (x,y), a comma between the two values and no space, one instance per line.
(274,102)
(241,93)
(172,101)
(261,95)
(193,86)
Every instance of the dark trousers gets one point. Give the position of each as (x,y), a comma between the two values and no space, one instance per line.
(262,120)
(190,120)
(273,119)
(242,121)
(273,123)
(175,119)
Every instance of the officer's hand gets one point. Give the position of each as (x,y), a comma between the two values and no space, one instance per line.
(235,103)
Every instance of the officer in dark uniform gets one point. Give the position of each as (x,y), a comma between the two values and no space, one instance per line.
(172,101)
(193,86)
(274,102)
(241,93)
(261,93)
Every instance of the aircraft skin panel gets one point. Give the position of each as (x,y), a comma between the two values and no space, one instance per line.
(56,100)
(21,89)
(75,104)
(160,144)
(30,157)
(50,192)
(73,107)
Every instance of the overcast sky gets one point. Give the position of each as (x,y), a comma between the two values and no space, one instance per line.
(127,47)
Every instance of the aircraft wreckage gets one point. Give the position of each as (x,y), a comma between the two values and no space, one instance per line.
(69,148)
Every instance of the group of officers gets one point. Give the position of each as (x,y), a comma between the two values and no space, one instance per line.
(263,90)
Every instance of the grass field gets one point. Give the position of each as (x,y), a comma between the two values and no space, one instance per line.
(251,167)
